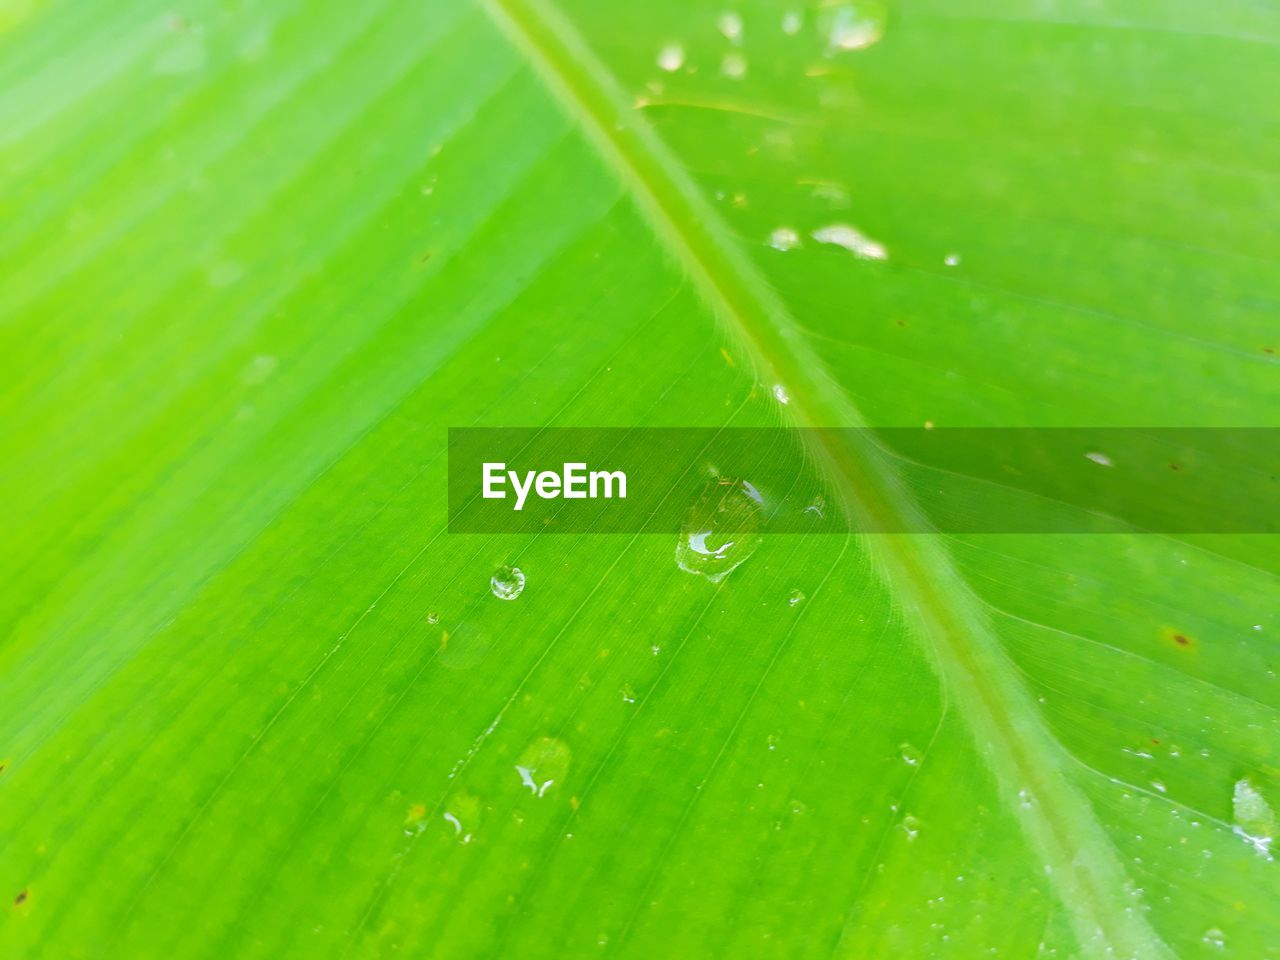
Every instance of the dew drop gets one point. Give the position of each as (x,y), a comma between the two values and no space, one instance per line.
(671,57)
(628,693)
(856,26)
(843,235)
(1101,459)
(730,25)
(507,583)
(433,618)
(543,764)
(784,239)
(910,755)
(1255,821)
(794,598)
(952,259)
(780,394)
(910,826)
(722,529)
(1214,938)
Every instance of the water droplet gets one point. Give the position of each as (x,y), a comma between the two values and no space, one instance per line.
(628,693)
(655,649)
(1214,938)
(843,235)
(910,826)
(817,506)
(1255,822)
(1159,786)
(433,618)
(507,583)
(780,394)
(791,21)
(722,530)
(454,821)
(1101,459)
(856,26)
(734,66)
(952,259)
(730,25)
(544,763)
(784,239)
(910,755)
(794,598)
(671,57)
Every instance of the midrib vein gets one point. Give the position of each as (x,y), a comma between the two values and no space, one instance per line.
(946,616)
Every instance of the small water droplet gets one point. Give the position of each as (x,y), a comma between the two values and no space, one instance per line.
(910,755)
(791,21)
(507,583)
(1255,821)
(817,506)
(433,618)
(1101,459)
(1159,786)
(910,826)
(734,66)
(952,259)
(784,239)
(856,26)
(794,598)
(1214,938)
(628,693)
(843,235)
(671,57)
(722,530)
(730,25)
(780,394)
(543,764)
(655,649)
(454,821)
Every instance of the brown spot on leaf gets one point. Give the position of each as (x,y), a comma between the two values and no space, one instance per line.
(20,899)
(1174,466)
(1181,640)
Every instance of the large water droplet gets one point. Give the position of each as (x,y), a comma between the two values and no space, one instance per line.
(722,530)
(507,583)
(671,57)
(855,26)
(1255,821)
(543,764)
(730,25)
(843,235)
(784,239)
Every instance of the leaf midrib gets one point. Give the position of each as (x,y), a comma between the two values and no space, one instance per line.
(947,618)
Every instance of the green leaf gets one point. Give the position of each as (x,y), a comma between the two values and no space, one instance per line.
(256,700)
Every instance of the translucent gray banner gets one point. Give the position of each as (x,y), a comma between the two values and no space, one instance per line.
(891,480)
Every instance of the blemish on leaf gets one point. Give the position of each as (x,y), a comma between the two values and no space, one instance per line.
(20,899)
